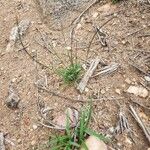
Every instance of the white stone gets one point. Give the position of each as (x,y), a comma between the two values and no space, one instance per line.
(68,48)
(118,91)
(138,91)
(111,129)
(93,143)
(123,42)
(78,26)
(147,78)
(35,126)
(2,68)
(14,80)
(86,90)
(102,91)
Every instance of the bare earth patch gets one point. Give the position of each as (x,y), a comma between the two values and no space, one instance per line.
(123,39)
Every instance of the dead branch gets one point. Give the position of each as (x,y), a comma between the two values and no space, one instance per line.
(108,69)
(122,125)
(87,75)
(140,122)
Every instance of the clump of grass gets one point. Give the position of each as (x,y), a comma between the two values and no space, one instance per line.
(71,73)
(115,1)
(74,138)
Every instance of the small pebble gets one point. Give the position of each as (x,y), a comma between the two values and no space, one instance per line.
(123,42)
(35,127)
(123,85)
(86,90)
(102,91)
(134,80)
(68,48)
(127,80)
(19,141)
(55,104)
(147,78)
(33,142)
(111,129)
(95,14)
(118,91)
(119,144)
(2,68)
(13,80)
(79,26)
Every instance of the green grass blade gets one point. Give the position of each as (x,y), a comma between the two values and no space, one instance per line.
(58,139)
(58,147)
(84,146)
(88,112)
(68,131)
(99,136)
(82,126)
(74,144)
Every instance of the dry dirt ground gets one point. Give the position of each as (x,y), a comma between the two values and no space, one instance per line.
(21,125)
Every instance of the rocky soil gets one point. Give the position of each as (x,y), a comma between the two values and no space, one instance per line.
(125,40)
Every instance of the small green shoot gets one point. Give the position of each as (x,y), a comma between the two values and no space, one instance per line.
(70,74)
(75,138)
(115,1)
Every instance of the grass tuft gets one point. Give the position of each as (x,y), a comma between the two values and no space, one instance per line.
(70,74)
(115,1)
(73,139)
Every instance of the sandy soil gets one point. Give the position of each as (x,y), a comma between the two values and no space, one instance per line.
(21,125)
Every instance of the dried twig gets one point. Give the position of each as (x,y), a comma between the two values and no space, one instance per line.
(139,104)
(135,32)
(88,49)
(108,69)
(2,139)
(77,20)
(144,35)
(101,36)
(46,44)
(122,125)
(76,100)
(140,122)
(87,75)
(24,47)
(138,68)
(52,127)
